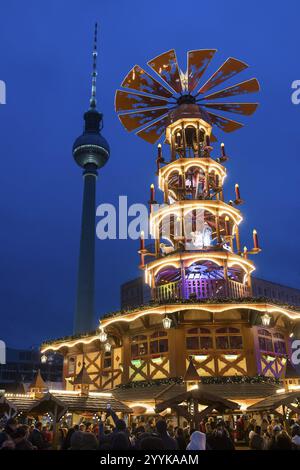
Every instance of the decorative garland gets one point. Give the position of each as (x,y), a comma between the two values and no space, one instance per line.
(204,380)
(152,303)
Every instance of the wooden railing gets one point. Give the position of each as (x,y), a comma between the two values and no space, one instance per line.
(201,289)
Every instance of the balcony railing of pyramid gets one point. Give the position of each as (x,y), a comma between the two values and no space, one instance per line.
(201,289)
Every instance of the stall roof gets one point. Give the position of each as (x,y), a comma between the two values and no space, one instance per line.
(69,402)
(92,404)
(273,402)
(226,390)
(202,397)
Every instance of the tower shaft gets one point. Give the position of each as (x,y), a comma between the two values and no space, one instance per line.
(84,315)
(91,152)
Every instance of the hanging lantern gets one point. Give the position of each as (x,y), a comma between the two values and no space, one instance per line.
(107,347)
(102,336)
(167,322)
(43,359)
(265,319)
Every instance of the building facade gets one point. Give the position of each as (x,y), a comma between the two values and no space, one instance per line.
(22,365)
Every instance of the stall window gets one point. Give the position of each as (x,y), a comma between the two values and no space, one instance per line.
(71,365)
(139,346)
(279,343)
(107,360)
(265,340)
(199,338)
(158,342)
(229,338)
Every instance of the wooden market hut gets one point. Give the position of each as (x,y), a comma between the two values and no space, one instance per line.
(186,405)
(280,404)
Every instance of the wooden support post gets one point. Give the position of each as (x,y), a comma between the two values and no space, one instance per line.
(207,183)
(237,239)
(182,275)
(166,192)
(183,140)
(218,228)
(173,150)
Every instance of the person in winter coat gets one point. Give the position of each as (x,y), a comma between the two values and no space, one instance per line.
(198,441)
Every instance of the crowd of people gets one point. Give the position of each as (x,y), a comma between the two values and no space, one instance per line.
(155,434)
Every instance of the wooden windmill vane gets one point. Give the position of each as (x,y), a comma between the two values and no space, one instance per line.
(147,107)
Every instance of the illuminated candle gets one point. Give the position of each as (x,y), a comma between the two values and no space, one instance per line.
(159,152)
(255,239)
(152,193)
(159,159)
(245,252)
(142,241)
(237,192)
(223,149)
(227,225)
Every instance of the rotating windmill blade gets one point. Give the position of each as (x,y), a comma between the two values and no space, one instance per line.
(144,104)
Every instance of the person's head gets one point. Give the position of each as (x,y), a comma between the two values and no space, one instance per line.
(76,427)
(198,441)
(161,426)
(82,427)
(88,441)
(283,440)
(76,440)
(295,430)
(208,428)
(11,425)
(121,425)
(38,425)
(120,442)
(276,429)
(220,424)
(151,443)
(140,430)
(20,434)
(257,430)
(88,427)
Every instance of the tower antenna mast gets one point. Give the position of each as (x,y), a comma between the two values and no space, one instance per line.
(93,100)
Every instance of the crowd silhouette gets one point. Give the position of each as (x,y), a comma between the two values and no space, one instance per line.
(112,433)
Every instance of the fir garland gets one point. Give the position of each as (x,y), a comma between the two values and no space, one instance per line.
(204,380)
(152,303)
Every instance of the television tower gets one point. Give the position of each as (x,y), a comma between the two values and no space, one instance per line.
(91,152)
